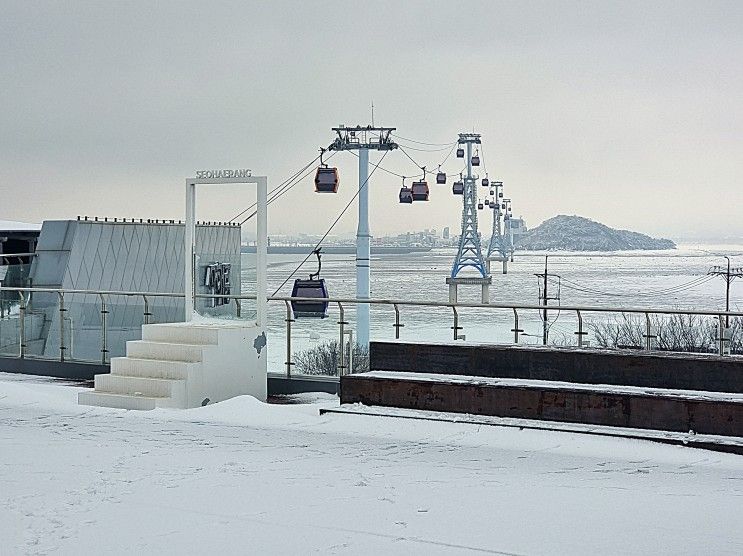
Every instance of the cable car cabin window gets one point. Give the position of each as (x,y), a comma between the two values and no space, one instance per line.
(440,178)
(406,195)
(460,153)
(420,191)
(457,188)
(326,180)
(310,288)
(475,160)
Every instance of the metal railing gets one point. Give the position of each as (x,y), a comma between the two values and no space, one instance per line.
(344,363)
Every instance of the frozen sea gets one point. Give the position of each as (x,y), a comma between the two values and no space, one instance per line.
(661,279)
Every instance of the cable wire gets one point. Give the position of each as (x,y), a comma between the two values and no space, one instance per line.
(282,184)
(396,136)
(330,229)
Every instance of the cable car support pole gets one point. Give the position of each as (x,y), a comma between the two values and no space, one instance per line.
(363,139)
(363,252)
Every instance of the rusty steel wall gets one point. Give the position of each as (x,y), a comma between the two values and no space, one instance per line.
(641,411)
(679,371)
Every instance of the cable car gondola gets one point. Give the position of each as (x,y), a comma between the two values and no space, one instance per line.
(406,195)
(480,206)
(485,182)
(460,153)
(420,191)
(500,194)
(457,188)
(326,179)
(440,177)
(314,287)
(476,159)
(487,201)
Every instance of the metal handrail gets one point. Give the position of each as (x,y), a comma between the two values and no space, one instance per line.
(344,363)
(400,302)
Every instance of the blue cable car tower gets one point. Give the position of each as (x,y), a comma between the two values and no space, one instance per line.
(469,254)
(499,246)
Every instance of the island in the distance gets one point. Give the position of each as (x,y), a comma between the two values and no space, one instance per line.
(575,233)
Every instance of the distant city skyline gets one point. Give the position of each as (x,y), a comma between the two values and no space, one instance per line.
(627,113)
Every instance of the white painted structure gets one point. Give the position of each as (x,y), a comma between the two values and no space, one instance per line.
(183,365)
(199,361)
(205,178)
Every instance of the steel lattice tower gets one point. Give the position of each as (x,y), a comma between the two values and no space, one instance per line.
(470,249)
(500,245)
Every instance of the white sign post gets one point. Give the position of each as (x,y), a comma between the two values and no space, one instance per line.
(215,177)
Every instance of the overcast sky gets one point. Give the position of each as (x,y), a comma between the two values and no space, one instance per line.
(627,113)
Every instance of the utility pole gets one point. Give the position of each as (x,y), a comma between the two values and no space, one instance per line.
(544,299)
(363,139)
(728,275)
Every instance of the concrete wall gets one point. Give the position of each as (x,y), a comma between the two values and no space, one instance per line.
(121,256)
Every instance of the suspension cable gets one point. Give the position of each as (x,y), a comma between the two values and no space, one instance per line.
(281,185)
(330,229)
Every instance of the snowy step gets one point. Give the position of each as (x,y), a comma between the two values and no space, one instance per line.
(180,334)
(152,368)
(118,401)
(144,349)
(140,386)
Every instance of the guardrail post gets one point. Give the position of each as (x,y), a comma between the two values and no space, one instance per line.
(649,336)
(104,321)
(397,324)
(147,313)
(289,320)
(456,328)
(721,335)
(341,340)
(22,327)
(580,332)
(515,328)
(350,351)
(62,310)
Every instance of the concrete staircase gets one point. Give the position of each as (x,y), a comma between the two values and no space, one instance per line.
(174,365)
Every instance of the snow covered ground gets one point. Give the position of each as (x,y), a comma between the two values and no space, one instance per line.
(243,477)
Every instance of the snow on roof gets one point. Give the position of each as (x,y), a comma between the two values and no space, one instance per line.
(12,226)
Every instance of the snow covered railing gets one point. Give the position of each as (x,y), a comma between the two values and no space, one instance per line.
(649,336)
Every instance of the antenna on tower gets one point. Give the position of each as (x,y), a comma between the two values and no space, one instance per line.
(372,102)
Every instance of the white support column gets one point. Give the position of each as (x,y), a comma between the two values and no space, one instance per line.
(262,253)
(189,243)
(363,252)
